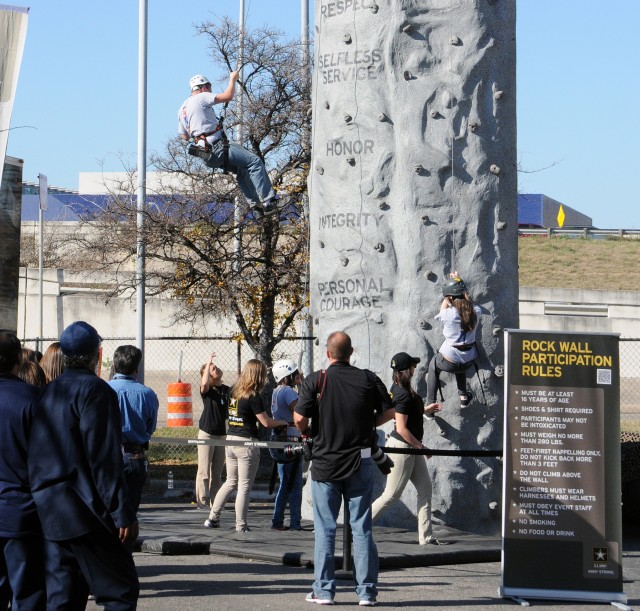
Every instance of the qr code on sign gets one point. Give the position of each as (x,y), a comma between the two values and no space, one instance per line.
(604,376)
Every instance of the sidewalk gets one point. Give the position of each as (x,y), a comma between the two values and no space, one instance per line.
(174,526)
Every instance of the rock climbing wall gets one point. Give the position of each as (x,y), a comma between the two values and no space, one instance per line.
(414,175)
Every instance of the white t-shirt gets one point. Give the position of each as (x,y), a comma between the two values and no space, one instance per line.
(196,116)
(454,335)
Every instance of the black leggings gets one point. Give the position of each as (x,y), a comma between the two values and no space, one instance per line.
(439,363)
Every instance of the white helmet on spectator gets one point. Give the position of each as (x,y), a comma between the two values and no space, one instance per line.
(197,81)
(282,369)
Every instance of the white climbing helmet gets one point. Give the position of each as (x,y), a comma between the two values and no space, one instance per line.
(197,81)
(282,369)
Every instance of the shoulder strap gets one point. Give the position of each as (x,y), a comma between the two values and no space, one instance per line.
(322,382)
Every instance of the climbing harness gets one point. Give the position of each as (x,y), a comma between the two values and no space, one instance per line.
(465,348)
(196,148)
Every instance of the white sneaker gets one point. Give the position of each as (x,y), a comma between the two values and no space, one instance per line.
(367,602)
(312,598)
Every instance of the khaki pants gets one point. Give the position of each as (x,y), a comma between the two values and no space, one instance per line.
(242,466)
(408,467)
(210,467)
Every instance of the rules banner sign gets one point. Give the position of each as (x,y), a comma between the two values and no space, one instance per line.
(562,519)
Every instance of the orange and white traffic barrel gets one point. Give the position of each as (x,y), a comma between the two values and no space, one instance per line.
(179,409)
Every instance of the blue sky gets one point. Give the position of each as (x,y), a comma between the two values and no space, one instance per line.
(578,87)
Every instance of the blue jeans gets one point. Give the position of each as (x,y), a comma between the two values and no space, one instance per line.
(290,489)
(357,491)
(253,180)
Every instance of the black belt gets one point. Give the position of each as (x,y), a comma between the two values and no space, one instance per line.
(133,448)
(464,347)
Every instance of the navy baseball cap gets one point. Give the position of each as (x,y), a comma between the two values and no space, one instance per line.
(402,361)
(79,338)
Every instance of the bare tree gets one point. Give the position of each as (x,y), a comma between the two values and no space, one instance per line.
(189,222)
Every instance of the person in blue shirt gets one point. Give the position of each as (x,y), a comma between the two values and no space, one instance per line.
(21,542)
(139,411)
(283,400)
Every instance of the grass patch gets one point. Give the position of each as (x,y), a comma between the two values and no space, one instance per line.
(578,263)
(172,454)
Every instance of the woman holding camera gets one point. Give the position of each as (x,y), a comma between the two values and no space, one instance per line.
(408,433)
(246,409)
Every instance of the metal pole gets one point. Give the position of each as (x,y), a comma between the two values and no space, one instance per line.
(237,210)
(40,281)
(306,145)
(142,180)
(43,197)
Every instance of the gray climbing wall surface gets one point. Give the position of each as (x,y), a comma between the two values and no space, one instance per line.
(414,175)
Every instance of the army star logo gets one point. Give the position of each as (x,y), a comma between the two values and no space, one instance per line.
(600,554)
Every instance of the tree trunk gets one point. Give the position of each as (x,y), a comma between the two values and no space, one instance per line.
(413,176)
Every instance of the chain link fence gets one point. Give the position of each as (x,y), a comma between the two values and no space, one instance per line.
(170,359)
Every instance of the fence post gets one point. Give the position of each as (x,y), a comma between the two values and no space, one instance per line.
(239,355)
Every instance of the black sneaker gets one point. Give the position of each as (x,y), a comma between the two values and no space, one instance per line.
(258,212)
(274,204)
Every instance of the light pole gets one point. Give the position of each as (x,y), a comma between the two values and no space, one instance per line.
(237,210)
(142,180)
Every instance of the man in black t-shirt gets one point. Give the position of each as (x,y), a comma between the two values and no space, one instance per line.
(343,404)
(212,425)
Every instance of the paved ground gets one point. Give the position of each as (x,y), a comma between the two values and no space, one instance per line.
(182,565)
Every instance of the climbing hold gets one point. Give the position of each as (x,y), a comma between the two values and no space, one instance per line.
(473,126)
(441,433)
(407,75)
(351,160)
(499,371)
(344,261)
(406,28)
(497,95)
(316,321)
(493,505)
(435,114)
(321,244)
(426,220)
(454,40)
(424,325)
(327,105)
(496,331)
(431,276)
(320,170)
(317,342)
(384,206)
(382,117)
(494,169)
(379,247)
(418,169)
(347,38)
(374,8)
(501,225)
(347,118)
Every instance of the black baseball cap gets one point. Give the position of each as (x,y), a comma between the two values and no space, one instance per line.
(402,361)
(79,338)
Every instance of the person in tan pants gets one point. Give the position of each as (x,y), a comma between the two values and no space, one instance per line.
(408,433)
(246,409)
(212,425)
